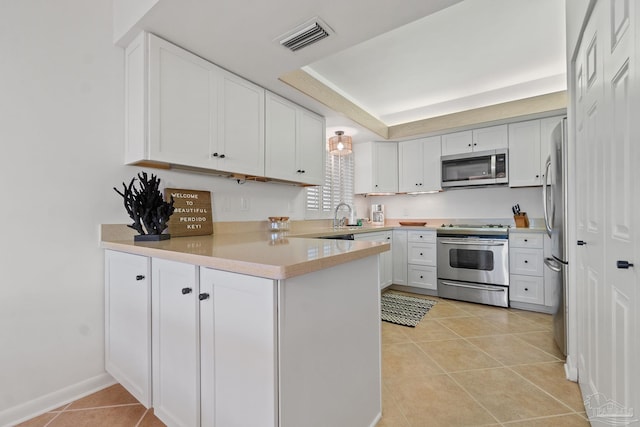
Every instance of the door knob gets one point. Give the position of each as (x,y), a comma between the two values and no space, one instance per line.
(581,243)
(186,291)
(203,296)
(623,264)
(140,277)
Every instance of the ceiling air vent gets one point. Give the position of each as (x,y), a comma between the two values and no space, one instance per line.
(306,34)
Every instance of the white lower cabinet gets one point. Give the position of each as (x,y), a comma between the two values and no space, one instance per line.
(175,336)
(526,272)
(422,260)
(128,322)
(386,258)
(399,276)
(214,346)
(238,349)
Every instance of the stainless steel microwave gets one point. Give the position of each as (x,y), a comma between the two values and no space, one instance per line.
(478,168)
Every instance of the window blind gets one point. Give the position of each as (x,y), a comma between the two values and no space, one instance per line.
(338,187)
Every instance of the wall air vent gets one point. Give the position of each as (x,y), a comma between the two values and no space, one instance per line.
(306,34)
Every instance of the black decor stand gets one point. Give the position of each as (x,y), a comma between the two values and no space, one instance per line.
(151,237)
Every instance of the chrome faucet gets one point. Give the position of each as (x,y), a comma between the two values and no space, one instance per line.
(342,222)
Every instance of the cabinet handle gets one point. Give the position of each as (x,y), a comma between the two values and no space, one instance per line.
(420,253)
(388,238)
(469,145)
(526,240)
(186,291)
(376,185)
(303,171)
(526,262)
(623,264)
(526,289)
(581,243)
(214,155)
(299,171)
(203,296)
(474,144)
(222,156)
(140,277)
(537,176)
(421,277)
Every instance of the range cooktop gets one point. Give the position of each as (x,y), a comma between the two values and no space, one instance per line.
(473,230)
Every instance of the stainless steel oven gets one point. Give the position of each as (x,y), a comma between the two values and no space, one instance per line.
(473,264)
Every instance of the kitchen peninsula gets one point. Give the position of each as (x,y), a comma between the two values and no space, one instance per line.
(245,328)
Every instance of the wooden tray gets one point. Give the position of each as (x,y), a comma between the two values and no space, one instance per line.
(413,223)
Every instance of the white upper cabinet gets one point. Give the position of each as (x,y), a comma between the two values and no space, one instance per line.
(528,150)
(419,165)
(376,167)
(488,138)
(184,110)
(295,142)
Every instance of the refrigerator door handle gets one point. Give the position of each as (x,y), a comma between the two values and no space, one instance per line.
(547,224)
(553,265)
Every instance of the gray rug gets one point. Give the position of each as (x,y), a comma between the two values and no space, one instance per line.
(402,309)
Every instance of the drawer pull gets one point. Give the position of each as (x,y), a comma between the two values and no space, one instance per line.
(526,262)
(526,240)
(526,289)
(422,277)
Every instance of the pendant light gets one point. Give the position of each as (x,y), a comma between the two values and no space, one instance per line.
(340,145)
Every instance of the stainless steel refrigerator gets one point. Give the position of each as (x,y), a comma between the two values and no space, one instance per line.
(555,217)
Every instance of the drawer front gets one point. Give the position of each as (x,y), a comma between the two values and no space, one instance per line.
(526,240)
(422,253)
(526,261)
(379,236)
(529,289)
(423,277)
(422,236)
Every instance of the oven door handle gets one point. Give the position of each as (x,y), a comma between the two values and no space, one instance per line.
(456,242)
(482,288)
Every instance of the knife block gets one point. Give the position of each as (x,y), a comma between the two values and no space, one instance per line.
(522,220)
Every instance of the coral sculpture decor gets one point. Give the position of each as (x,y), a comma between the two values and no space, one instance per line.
(146,207)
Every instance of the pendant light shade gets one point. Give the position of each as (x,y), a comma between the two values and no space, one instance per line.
(340,145)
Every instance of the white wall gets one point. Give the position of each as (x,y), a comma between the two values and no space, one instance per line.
(61,128)
(468,203)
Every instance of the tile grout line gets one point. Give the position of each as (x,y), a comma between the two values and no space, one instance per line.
(93,408)
(458,384)
(57,413)
(144,414)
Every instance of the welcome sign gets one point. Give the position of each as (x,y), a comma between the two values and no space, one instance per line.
(192,213)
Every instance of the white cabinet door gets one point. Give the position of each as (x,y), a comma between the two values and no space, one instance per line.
(419,165)
(240,119)
(376,167)
(386,258)
(128,322)
(432,175)
(295,143)
(175,332)
(182,105)
(524,154)
(399,276)
(410,166)
(385,157)
(547,126)
(311,147)
(239,362)
(281,136)
(490,138)
(457,142)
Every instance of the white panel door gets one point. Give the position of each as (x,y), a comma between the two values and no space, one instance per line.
(311,147)
(176,383)
(622,192)
(240,146)
(182,105)
(607,108)
(281,134)
(238,349)
(410,166)
(490,138)
(524,154)
(128,322)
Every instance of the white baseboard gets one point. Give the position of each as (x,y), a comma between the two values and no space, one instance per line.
(570,369)
(42,404)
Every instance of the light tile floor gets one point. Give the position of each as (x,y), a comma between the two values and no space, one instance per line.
(464,364)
